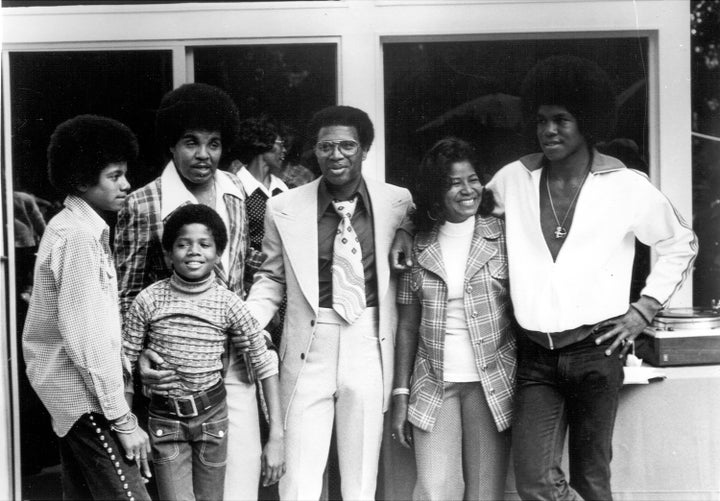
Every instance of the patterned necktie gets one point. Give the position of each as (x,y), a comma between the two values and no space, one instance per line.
(348,276)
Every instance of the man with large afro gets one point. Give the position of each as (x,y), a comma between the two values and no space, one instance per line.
(572,216)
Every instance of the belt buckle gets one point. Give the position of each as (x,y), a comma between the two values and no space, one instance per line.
(178,403)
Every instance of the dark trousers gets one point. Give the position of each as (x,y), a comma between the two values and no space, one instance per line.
(94,465)
(573,389)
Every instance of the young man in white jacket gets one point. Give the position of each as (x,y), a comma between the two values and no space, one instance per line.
(572,216)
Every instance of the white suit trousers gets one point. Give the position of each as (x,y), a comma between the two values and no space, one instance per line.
(242,477)
(341,382)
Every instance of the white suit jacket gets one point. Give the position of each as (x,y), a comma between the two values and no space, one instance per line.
(291,246)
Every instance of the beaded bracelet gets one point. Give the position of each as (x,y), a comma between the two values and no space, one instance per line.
(129,418)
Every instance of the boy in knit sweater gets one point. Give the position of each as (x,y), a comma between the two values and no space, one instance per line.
(186,319)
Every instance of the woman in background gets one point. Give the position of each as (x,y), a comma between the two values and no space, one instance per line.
(455,357)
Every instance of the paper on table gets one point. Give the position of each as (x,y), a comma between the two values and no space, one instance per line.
(636,373)
(643,375)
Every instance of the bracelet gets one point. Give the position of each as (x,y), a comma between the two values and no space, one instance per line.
(400,391)
(129,418)
(641,313)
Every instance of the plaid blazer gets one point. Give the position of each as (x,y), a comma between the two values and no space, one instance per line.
(138,250)
(487,312)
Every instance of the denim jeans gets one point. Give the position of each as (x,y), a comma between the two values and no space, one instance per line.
(189,454)
(94,465)
(570,390)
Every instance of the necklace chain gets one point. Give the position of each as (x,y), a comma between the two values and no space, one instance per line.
(560,230)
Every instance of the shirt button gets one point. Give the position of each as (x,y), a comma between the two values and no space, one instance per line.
(468,288)
(312,323)
(159,433)
(474,314)
(302,356)
(484,368)
(492,391)
(221,433)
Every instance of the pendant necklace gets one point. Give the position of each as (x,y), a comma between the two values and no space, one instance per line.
(560,230)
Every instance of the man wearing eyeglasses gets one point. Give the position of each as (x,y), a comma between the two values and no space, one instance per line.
(327,244)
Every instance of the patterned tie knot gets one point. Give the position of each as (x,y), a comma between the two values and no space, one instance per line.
(345,208)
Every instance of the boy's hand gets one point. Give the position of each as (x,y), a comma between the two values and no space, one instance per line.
(273,461)
(158,381)
(137,446)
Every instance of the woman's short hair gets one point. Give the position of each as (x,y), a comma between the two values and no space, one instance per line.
(343,115)
(196,106)
(81,147)
(579,85)
(194,214)
(255,137)
(433,181)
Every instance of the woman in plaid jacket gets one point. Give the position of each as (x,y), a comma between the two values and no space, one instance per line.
(455,355)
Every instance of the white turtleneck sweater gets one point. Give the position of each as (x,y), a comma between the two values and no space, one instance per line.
(455,240)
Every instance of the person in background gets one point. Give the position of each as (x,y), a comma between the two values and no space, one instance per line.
(572,216)
(72,340)
(194,124)
(327,244)
(455,335)
(261,150)
(296,171)
(186,319)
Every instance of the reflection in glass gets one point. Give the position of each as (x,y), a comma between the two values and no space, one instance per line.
(288,83)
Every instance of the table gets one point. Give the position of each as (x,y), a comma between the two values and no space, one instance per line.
(666,444)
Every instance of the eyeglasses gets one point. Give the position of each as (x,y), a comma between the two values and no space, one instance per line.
(347,147)
(280,142)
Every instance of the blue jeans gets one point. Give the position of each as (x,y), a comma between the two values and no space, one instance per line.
(573,389)
(94,465)
(189,454)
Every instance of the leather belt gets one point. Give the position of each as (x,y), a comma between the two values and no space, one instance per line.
(189,405)
(558,340)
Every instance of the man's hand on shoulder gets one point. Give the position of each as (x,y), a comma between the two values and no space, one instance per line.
(401,251)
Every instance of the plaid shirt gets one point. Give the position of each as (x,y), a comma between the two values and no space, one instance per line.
(488,315)
(138,249)
(71,341)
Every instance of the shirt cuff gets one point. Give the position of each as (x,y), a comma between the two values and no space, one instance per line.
(647,307)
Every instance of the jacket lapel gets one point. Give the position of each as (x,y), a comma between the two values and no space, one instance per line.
(484,244)
(429,253)
(236,239)
(297,225)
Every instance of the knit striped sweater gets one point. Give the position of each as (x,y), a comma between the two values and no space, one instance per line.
(187,324)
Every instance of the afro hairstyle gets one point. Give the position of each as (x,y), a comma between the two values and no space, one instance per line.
(577,84)
(194,214)
(343,115)
(81,147)
(196,106)
(255,137)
